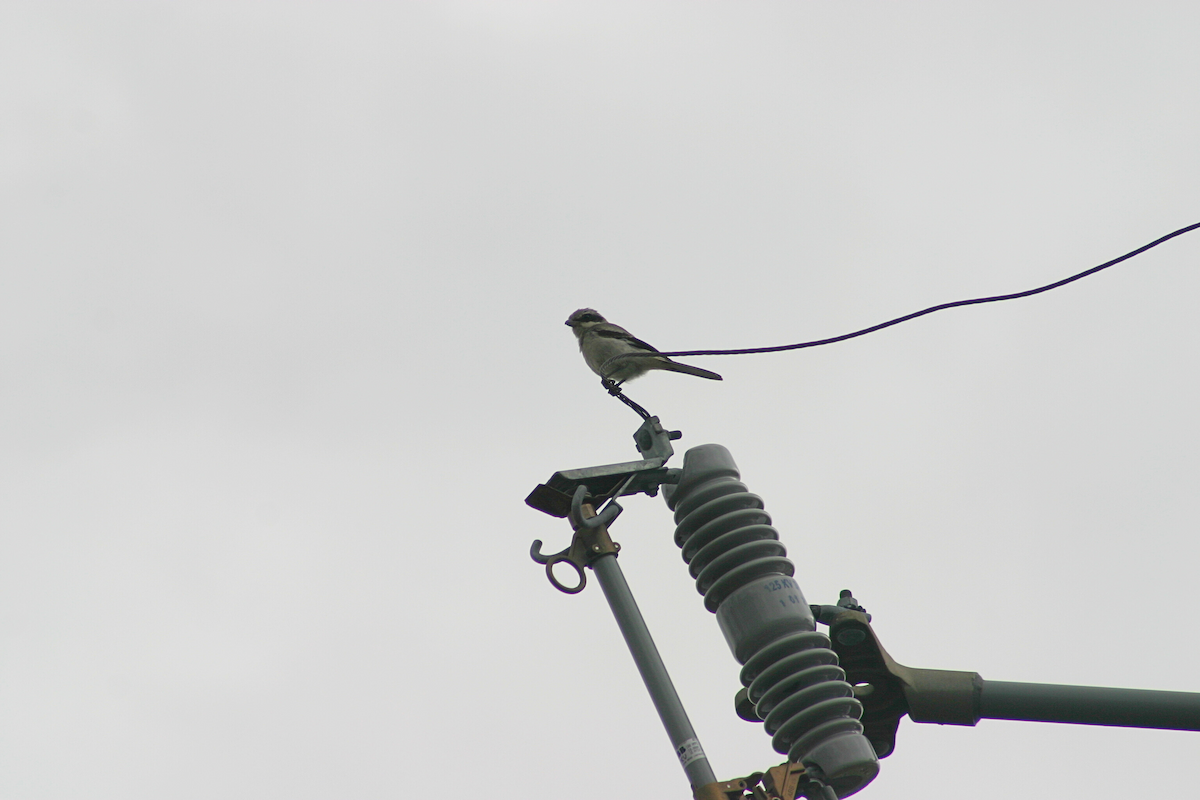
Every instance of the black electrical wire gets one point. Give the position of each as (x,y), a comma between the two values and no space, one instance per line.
(915,314)
(615,390)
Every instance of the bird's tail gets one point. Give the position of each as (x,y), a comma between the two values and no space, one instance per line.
(687,369)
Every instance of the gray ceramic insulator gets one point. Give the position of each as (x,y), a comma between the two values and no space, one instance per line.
(761,612)
(759,606)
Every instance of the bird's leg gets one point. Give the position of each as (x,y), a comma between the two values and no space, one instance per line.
(611,386)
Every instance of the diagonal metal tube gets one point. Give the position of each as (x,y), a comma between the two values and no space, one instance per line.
(654,672)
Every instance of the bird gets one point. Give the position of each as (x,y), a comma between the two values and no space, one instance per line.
(600,340)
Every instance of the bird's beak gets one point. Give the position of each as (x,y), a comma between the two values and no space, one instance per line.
(568,322)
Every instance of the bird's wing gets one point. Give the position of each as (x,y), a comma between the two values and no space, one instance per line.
(617,332)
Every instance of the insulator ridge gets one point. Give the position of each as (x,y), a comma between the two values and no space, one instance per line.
(727,539)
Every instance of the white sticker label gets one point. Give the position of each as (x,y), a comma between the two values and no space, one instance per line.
(689,751)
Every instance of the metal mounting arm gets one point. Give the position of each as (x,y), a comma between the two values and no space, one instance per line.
(889,690)
(554,497)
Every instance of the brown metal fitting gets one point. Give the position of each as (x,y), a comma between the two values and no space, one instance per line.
(777,783)
(889,690)
(783,781)
(588,544)
(591,543)
(724,790)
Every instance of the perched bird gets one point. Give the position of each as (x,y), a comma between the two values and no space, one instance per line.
(600,340)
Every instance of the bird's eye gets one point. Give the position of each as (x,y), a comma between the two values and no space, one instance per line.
(590,318)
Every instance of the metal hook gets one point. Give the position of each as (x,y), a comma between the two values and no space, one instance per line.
(611,510)
(584,544)
(535,552)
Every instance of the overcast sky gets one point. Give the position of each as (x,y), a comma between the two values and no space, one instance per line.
(282,353)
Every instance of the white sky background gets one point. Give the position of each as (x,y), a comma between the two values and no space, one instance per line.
(281,354)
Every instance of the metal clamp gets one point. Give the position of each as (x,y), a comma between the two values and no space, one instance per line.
(571,494)
(591,541)
(613,480)
(787,781)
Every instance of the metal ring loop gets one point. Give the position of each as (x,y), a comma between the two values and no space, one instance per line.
(558,559)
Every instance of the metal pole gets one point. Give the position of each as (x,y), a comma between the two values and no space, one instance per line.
(1090,705)
(654,672)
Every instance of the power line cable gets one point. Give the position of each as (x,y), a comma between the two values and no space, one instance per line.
(915,314)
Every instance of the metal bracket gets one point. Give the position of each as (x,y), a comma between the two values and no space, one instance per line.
(575,494)
(612,480)
(784,782)
(889,690)
(591,541)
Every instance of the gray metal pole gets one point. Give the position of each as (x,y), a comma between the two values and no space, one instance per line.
(654,673)
(1090,705)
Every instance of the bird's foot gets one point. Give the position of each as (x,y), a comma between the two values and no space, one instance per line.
(611,386)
